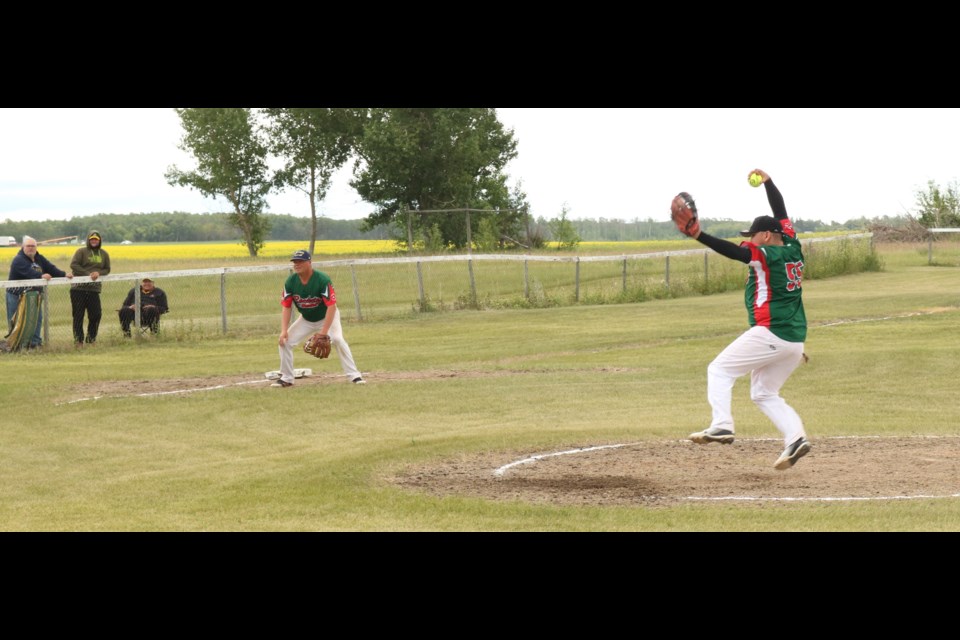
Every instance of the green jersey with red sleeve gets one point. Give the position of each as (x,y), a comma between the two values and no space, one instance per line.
(774,291)
(310,299)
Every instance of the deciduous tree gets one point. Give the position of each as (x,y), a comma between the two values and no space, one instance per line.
(939,208)
(231,162)
(427,159)
(313,144)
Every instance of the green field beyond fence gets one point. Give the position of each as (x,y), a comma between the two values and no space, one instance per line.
(243,299)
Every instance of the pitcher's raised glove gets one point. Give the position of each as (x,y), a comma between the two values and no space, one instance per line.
(683,211)
(318,345)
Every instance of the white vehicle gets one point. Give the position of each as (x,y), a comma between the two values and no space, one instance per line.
(8,241)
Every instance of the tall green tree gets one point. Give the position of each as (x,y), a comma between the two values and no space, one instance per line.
(231,160)
(939,208)
(313,143)
(429,159)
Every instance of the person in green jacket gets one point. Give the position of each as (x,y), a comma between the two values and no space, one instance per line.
(89,260)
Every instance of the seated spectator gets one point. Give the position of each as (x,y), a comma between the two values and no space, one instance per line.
(153,304)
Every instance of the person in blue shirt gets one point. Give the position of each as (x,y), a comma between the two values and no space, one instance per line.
(29,264)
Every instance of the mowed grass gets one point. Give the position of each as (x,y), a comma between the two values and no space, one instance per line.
(315,457)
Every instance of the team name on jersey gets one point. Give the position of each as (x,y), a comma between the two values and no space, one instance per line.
(307,303)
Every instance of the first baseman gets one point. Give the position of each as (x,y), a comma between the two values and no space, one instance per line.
(773,346)
(311,292)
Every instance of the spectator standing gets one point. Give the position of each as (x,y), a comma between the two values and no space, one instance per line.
(29,264)
(89,260)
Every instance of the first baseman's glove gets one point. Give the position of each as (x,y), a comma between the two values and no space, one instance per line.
(318,345)
(683,210)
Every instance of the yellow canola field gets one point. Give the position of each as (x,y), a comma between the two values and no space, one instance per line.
(280,250)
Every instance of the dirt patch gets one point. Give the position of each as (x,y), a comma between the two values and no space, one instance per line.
(665,473)
(123,388)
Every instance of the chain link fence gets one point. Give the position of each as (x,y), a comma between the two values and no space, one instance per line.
(246,300)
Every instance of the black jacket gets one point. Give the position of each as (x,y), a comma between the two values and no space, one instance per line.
(23,268)
(156,297)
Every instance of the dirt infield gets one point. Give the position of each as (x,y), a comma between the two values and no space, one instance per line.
(664,473)
(87,391)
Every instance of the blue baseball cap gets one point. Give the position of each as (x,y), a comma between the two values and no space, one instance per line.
(301,254)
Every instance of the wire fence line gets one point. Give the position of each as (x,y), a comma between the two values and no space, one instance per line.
(246,300)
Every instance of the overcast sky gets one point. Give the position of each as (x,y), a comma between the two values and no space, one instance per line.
(830,164)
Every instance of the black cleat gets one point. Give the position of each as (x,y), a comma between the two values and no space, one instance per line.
(791,454)
(713,434)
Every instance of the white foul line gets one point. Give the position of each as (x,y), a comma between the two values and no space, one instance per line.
(897,317)
(825,499)
(167,393)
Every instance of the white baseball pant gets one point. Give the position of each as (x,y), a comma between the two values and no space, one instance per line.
(302,328)
(769,360)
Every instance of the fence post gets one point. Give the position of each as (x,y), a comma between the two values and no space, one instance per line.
(136,304)
(473,284)
(526,279)
(666,274)
(930,250)
(576,290)
(423,301)
(705,268)
(223,301)
(46,315)
(356,291)
(624,275)
(469,239)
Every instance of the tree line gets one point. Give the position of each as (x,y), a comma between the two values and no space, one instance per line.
(180,226)
(216,227)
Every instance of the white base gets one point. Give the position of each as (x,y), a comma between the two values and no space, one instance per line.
(297,373)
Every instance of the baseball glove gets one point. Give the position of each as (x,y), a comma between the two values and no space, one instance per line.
(683,210)
(318,345)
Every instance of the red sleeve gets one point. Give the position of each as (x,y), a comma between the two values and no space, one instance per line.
(787,227)
(331,298)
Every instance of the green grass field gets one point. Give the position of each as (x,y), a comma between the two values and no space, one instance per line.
(314,458)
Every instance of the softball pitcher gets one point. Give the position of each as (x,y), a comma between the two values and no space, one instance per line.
(774,345)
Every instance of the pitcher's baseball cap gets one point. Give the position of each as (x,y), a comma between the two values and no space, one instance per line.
(301,254)
(762,223)
(147,280)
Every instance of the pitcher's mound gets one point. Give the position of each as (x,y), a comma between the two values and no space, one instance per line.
(660,473)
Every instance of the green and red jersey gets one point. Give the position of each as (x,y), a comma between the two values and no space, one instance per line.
(310,299)
(774,289)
